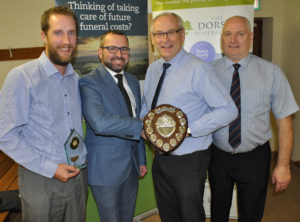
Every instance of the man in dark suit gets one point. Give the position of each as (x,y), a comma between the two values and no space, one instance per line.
(111,105)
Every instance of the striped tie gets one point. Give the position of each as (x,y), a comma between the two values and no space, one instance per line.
(235,126)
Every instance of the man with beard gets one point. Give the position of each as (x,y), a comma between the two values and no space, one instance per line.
(111,104)
(40,106)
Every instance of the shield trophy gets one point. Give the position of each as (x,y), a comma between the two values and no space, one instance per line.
(165,127)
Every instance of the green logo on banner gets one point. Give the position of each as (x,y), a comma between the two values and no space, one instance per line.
(187,26)
(161,5)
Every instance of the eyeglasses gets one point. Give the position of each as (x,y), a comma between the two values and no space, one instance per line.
(115,49)
(171,34)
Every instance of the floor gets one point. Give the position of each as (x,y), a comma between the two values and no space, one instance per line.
(280,207)
(156,218)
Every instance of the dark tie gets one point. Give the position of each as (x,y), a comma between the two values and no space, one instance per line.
(235,125)
(124,93)
(156,95)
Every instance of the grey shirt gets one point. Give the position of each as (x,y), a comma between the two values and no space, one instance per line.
(264,87)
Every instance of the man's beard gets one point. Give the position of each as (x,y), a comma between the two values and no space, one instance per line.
(57,59)
(115,68)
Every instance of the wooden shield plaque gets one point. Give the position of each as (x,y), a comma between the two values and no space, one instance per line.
(165,127)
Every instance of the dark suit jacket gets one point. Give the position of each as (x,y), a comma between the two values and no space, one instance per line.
(112,136)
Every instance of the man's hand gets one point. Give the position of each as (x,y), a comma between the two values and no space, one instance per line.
(64,172)
(281,177)
(143,170)
(143,135)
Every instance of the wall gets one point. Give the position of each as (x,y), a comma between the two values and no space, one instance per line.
(290,59)
(20,28)
(286,48)
(273,8)
(267,41)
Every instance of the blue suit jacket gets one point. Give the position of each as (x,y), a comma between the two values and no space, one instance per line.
(112,136)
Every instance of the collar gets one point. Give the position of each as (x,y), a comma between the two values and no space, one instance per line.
(228,64)
(176,60)
(113,73)
(50,69)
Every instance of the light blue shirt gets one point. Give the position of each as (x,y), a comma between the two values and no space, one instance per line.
(191,85)
(38,109)
(264,87)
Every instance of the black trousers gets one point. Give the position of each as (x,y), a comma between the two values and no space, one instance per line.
(250,172)
(179,185)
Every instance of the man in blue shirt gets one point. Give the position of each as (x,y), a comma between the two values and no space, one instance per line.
(40,105)
(191,85)
(244,159)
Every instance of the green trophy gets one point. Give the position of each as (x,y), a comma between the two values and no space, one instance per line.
(75,151)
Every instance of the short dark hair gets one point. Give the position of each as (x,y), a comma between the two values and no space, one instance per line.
(115,32)
(63,10)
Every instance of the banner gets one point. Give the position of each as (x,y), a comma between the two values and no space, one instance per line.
(98,16)
(203,22)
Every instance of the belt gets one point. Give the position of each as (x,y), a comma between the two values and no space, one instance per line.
(162,153)
(235,152)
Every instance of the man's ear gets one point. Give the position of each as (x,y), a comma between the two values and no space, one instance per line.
(100,53)
(183,35)
(252,36)
(152,38)
(44,37)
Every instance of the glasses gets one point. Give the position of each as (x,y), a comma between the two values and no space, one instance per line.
(171,34)
(115,49)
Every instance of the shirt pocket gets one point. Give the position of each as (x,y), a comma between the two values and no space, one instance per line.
(255,102)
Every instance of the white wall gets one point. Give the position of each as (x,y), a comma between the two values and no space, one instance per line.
(290,59)
(286,48)
(20,28)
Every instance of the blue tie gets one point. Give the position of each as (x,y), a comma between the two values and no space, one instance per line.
(235,125)
(156,95)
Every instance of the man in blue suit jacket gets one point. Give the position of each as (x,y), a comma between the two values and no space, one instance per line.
(116,153)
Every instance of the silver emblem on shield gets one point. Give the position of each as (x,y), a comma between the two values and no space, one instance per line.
(165,125)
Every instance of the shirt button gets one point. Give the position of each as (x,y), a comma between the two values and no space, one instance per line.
(68,113)
(65,95)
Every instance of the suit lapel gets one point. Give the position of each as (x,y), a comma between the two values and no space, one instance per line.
(108,80)
(111,87)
